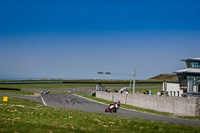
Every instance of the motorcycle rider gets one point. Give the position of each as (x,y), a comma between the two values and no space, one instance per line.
(117,104)
(114,106)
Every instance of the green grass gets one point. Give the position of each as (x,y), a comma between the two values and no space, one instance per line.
(18,115)
(63,87)
(17,92)
(67,85)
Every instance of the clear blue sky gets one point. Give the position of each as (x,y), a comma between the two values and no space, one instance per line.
(76,39)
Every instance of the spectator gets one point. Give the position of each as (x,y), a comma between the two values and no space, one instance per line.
(115,90)
(147,91)
(143,92)
(150,92)
(161,93)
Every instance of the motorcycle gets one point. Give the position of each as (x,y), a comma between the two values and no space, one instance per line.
(113,107)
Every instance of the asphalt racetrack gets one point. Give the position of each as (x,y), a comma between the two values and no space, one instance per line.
(74,102)
(69,101)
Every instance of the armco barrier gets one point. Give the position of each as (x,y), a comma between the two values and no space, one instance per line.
(176,105)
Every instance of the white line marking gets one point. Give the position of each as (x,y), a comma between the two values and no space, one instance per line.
(43,100)
(90,99)
(104,103)
(126,108)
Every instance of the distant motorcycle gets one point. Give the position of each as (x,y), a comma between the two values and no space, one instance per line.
(47,92)
(113,107)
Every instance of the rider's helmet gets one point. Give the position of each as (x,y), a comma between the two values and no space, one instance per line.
(118,102)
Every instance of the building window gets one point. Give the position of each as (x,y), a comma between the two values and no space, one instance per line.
(194,65)
(194,79)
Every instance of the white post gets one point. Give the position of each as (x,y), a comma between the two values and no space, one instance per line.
(134,80)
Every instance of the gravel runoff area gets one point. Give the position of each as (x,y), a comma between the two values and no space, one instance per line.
(69,101)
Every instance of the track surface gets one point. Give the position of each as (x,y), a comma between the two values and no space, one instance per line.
(69,101)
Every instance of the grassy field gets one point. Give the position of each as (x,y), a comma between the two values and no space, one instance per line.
(68,85)
(17,92)
(22,116)
(48,86)
(52,86)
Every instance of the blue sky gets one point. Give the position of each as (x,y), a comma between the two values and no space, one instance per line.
(76,39)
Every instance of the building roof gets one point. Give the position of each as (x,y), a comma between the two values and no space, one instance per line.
(191,59)
(189,70)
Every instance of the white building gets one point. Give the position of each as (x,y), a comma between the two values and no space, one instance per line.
(173,89)
(189,80)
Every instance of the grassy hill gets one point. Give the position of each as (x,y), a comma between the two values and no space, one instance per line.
(162,77)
